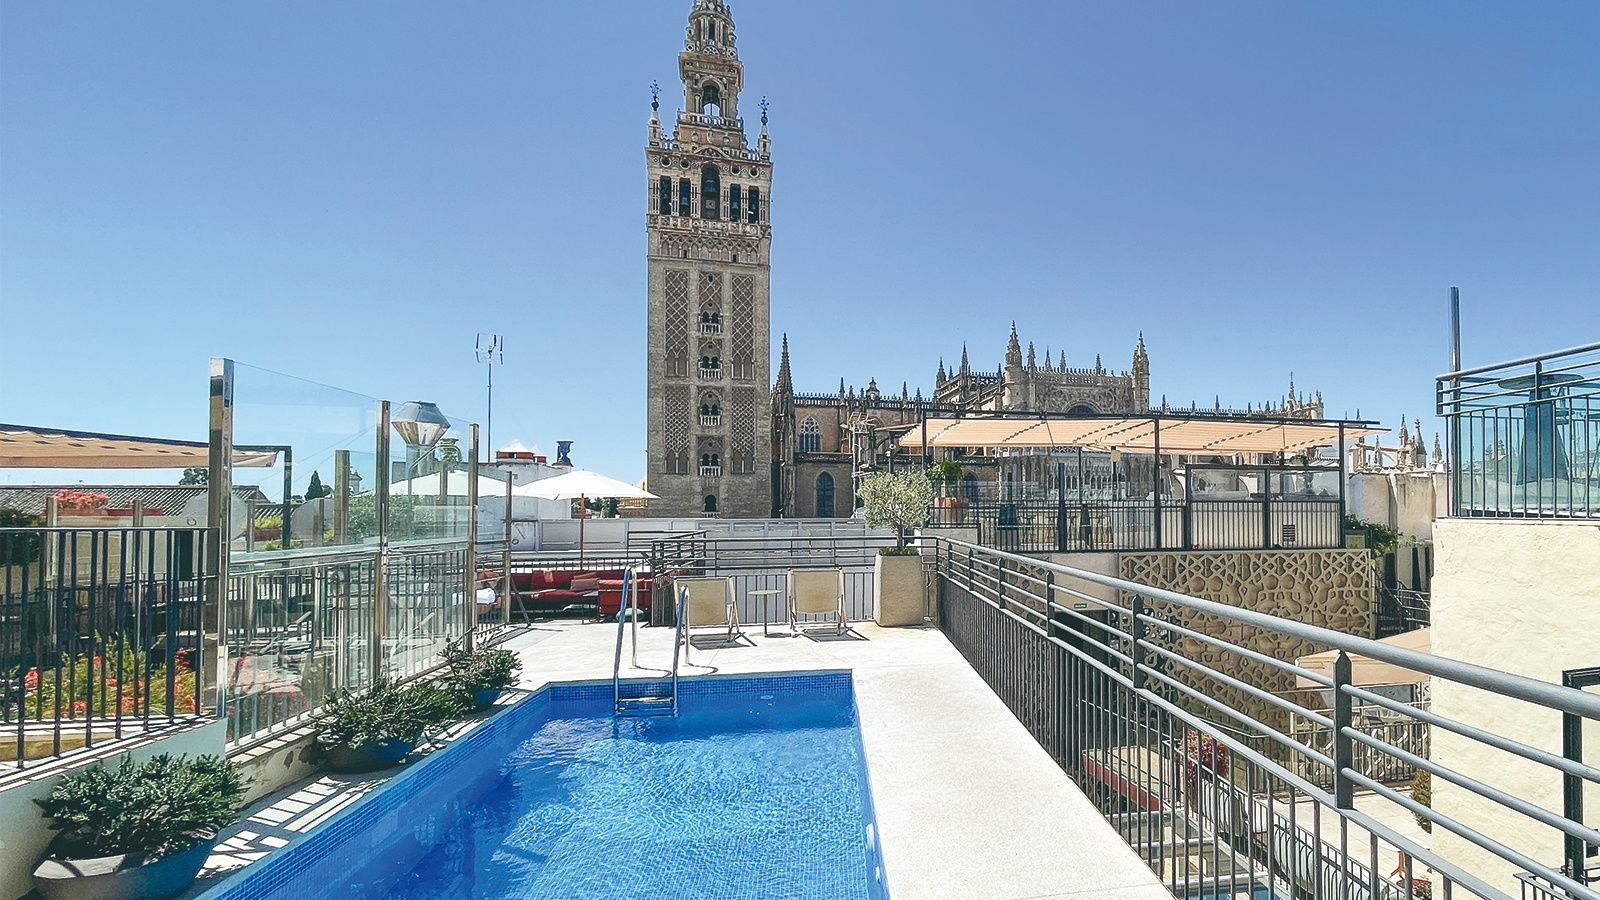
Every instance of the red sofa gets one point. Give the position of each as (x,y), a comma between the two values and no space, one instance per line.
(552,590)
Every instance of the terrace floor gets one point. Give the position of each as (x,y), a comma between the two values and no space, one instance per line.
(968,804)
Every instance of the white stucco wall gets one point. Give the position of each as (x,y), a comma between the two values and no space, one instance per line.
(1408,502)
(1521,596)
(23,830)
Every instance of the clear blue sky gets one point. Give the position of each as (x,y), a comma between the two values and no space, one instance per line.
(350,191)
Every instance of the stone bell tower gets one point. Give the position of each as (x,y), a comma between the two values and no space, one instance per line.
(709,196)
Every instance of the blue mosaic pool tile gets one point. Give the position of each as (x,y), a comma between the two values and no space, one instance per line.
(424,793)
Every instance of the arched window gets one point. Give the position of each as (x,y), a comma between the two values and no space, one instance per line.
(1082,409)
(710,505)
(666,195)
(710,192)
(825,495)
(733,204)
(754,195)
(711,98)
(810,436)
(685,198)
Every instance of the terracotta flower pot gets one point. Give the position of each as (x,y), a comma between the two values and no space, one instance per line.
(126,877)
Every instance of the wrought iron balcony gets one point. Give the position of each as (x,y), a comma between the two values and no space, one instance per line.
(710,420)
(710,471)
(710,373)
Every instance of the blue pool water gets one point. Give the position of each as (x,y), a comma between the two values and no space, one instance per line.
(757,789)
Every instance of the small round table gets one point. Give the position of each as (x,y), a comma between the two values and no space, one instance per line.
(769,592)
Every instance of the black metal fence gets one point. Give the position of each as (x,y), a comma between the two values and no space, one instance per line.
(759,569)
(100,634)
(1200,524)
(1132,702)
(1525,436)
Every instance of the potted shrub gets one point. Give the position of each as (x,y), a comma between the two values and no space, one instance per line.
(379,727)
(480,675)
(137,830)
(898,501)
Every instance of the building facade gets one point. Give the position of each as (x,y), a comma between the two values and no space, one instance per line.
(709,191)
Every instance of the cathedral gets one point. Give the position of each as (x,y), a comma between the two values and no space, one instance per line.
(725,439)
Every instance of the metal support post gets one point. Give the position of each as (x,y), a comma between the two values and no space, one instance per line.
(1061,507)
(219,524)
(380,568)
(472,540)
(1343,745)
(1136,631)
(341,496)
(1155,487)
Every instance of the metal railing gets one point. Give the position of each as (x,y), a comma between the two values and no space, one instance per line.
(1064,527)
(1128,696)
(302,625)
(100,635)
(759,569)
(1525,436)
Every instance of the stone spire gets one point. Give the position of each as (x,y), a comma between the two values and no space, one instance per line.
(1098,368)
(872,389)
(1063,366)
(940,379)
(1141,376)
(764,143)
(1032,365)
(1438,454)
(1049,365)
(655,114)
(1405,435)
(1013,349)
(785,382)
(965,369)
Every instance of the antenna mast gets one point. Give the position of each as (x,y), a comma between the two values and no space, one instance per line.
(490,352)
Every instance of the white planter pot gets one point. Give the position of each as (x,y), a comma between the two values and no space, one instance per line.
(898,597)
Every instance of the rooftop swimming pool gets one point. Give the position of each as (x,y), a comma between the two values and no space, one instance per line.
(758,788)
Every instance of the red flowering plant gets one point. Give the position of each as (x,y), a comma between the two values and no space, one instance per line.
(128,682)
(69,500)
(1202,751)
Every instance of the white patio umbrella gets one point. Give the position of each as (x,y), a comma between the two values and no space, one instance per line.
(580,485)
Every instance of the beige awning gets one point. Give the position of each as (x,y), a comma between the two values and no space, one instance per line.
(1179,434)
(27,447)
(1365,670)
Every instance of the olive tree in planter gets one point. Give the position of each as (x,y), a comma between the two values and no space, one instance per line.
(139,830)
(379,727)
(898,501)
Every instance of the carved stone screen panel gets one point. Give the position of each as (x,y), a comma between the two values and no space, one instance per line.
(742,322)
(675,417)
(710,291)
(675,336)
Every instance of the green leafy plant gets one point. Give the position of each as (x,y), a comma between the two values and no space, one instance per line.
(898,500)
(122,680)
(386,711)
(945,471)
(19,549)
(158,807)
(472,671)
(1422,792)
(1381,539)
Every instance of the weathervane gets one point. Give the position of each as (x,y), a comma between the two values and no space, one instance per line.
(655,96)
(763,110)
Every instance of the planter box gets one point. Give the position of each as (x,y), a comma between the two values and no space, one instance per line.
(121,877)
(898,591)
(367,757)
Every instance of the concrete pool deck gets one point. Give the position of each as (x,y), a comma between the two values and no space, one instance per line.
(968,804)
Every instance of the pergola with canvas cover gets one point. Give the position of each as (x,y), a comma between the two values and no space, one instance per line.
(33,447)
(1181,434)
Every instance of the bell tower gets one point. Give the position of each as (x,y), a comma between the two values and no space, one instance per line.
(709,197)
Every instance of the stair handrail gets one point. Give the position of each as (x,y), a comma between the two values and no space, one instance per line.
(622,621)
(677,640)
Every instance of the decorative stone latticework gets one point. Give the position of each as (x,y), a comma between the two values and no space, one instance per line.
(1333,589)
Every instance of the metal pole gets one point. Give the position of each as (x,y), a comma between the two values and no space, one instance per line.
(1061,507)
(472,539)
(1454,421)
(1342,476)
(219,524)
(1343,744)
(380,574)
(341,495)
(1155,489)
(505,562)
(288,491)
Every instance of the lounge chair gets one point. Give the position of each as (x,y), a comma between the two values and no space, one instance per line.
(711,602)
(816,592)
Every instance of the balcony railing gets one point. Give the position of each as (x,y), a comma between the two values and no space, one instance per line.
(1172,715)
(710,471)
(689,118)
(1056,527)
(1525,436)
(710,421)
(710,327)
(100,635)
(710,374)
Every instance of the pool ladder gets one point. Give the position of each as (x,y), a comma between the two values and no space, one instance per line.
(628,623)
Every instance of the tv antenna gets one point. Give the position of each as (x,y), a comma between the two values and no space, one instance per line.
(491,352)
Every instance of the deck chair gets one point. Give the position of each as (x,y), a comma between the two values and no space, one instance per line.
(711,602)
(816,592)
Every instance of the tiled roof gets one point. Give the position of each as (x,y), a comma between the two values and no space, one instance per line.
(169,498)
